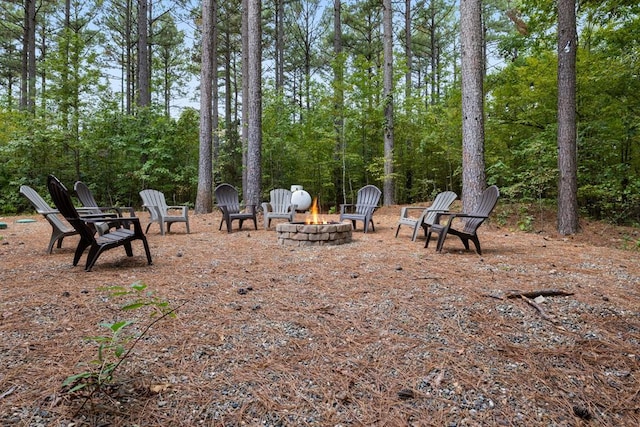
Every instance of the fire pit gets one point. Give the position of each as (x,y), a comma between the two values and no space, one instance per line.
(301,234)
(314,232)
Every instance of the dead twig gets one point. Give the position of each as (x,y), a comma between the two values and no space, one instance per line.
(541,293)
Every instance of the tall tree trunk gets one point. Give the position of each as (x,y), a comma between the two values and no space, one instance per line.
(473,174)
(408,49)
(245,90)
(339,169)
(279,45)
(28,81)
(389,182)
(204,197)
(144,92)
(254,101)
(567,150)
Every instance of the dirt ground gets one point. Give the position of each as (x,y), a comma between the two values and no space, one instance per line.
(378,332)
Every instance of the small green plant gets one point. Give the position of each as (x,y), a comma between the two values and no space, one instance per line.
(116,346)
(630,243)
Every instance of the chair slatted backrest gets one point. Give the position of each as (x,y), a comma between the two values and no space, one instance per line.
(227,195)
(154,198)
(368,198)
(86,197)
(441,203)
(63,202)
(280,200)
(486,203)
(42,207)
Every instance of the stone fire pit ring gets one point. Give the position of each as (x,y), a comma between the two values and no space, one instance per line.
(301,234)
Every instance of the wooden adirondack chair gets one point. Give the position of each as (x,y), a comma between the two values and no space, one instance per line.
(60,228)
(279,206)
(228,202)
(440,204)
(121,236)
(366,204)
(469,222)
(155,203)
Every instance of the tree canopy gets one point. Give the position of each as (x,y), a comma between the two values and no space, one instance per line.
(70,81)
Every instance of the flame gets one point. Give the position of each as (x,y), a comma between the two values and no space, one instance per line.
(315,218)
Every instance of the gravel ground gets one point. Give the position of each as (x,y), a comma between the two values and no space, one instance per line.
(377,332)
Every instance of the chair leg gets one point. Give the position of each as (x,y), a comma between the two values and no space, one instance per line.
(146,250)
(441,238)
(82,245)
(128,249)
(476,242)
(398,229)
(92,257)
(427,238)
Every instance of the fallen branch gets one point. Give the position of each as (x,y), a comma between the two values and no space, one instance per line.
(533,304)
(542,293)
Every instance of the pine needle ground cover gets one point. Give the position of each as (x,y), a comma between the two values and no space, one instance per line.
(540,330)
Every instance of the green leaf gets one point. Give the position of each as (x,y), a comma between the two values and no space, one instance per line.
(119,351)
(134,306)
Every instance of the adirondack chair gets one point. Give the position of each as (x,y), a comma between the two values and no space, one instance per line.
(228,202)
(279,206)
(366,204)
(440,204)
(155,203)
(121,236)
(60,228)
(90,206)
(469,221)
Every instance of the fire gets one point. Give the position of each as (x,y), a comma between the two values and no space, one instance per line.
(315,218)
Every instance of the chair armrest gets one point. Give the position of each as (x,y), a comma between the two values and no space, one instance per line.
(266,207)
(454,215)
(405,212)
(98,216)
(48,212)
(346,206)
(111,219)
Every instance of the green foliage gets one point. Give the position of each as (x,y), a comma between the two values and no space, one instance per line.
(116,346)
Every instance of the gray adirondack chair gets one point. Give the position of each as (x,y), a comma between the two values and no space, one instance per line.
(229,204)
(364,207)
(60,228)
(427,215)
(90,206)
(466,223)
(155,203)
(120,236)
(279,206)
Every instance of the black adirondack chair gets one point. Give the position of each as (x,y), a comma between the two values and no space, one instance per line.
(468,222)
(121,236)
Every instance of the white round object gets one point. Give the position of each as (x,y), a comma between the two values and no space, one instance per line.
(302,199)
(296,188)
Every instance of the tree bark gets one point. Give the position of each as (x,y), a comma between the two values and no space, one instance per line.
(473,174)
(144,92)
(244,133)
(567,134)
(389,182)
(339,169)
(254,101)
(204,197)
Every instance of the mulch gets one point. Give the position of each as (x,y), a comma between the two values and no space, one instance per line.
(541,329)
